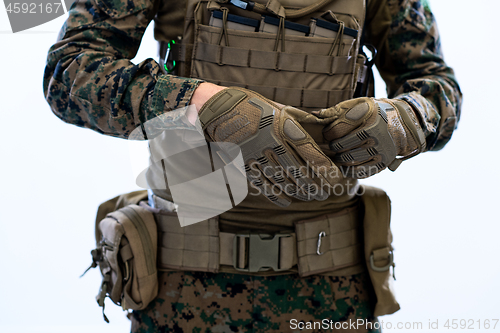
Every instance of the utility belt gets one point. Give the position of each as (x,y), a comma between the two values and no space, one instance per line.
(130,236)
(318,245)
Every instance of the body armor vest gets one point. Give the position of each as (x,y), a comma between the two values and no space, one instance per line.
(289,66)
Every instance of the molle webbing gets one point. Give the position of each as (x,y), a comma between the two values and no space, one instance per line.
(341,244)
(278,61)
(302,98)
(202,247)
(308,72)
(194,247)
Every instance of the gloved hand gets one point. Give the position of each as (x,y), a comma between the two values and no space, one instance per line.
(367,134)
(281,158)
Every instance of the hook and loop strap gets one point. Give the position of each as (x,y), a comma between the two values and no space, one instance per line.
(412,130)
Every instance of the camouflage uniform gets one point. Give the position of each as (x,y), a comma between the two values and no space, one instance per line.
(245,303)
(90,82)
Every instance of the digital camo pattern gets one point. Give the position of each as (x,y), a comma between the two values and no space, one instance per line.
(411,63)
(206,302)
(90,82)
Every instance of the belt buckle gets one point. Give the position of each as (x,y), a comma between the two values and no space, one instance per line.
(262,251)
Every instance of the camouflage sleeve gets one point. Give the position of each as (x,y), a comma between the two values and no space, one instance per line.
(89,80)
(411,63)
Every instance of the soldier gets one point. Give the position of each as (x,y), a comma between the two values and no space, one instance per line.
(90,82)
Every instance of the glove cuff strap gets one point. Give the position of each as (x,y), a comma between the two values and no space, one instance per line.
(220,104)
(414,130)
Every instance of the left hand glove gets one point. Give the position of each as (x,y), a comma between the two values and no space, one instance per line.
(278,153)
(367,134)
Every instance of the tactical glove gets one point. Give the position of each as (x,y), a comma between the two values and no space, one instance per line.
(367,134)
(281,159)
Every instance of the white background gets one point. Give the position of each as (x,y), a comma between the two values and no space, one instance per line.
(53,176)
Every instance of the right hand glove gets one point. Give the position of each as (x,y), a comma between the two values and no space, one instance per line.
(367,134)
(281,158)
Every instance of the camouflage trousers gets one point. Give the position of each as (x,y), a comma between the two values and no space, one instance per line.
(207,302)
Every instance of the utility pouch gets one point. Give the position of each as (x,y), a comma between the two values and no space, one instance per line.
(330,242)
(378,248)
(126,253)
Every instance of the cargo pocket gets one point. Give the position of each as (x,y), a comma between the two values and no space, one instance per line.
(126,255)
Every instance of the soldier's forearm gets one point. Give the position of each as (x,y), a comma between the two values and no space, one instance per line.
(89,80)
(203,93)
(412,65)
(437,102)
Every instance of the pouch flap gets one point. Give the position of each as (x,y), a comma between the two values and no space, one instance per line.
(378,248)
(137,257)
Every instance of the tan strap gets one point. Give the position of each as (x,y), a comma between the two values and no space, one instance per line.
(181,51)
(194,247)
(381,254)
(126,252)
(362,72)
(288,254)
(307,98)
